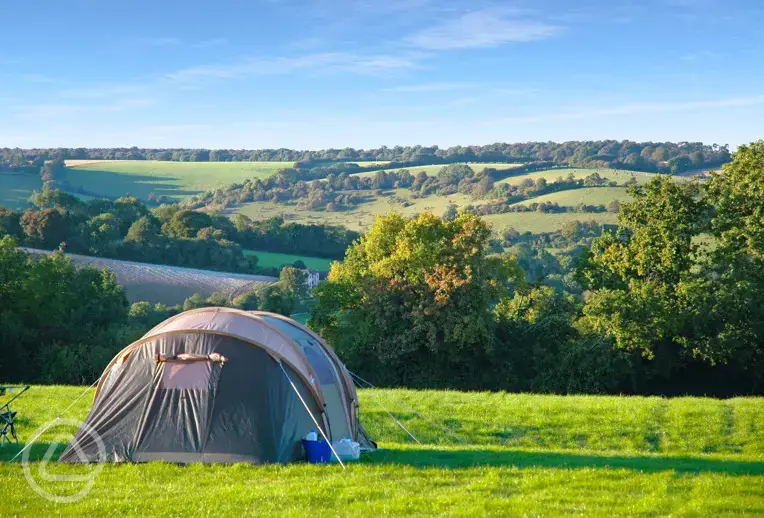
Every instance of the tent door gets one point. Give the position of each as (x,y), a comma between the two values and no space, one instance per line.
(175,422)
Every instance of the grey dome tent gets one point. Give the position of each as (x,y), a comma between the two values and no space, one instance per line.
(219,385)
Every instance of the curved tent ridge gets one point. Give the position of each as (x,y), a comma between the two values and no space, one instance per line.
(350,384)
(230,321)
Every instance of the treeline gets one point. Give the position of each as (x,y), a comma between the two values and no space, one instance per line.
(127,229)
(647,156)
(509,197)
(669,303)
(62,324)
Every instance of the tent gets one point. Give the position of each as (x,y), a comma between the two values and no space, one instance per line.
(219,385)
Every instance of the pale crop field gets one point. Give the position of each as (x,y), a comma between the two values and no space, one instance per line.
(170,285)
(176,179)
(487,454)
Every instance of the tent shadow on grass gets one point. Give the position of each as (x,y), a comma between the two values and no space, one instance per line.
(454,459)
(459,459)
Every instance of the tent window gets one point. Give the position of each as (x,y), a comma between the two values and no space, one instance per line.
(319,363)
(186,375)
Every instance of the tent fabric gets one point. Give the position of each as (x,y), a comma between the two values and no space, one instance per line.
(207,386)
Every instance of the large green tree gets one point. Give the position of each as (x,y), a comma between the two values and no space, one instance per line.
(412,303)
(680,282)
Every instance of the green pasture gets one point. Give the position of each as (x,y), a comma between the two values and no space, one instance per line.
(176,179)
(273,259)
(361,216)
(586,195)
(432,170)
(16,188)
(551,175)
(512,455)
(537,222)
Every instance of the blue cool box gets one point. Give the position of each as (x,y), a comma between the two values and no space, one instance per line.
(317,452)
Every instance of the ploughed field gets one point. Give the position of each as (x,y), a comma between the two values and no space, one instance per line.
(515,454)
(169,285)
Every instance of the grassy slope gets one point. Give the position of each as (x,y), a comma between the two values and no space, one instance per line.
(267,259)
(587,195)
(15,189)
(529,454)
(361,216)
(432,170)
(551,175)
(177,179)
(537,222)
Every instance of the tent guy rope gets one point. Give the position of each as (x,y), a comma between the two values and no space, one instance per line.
(54,421)
(321,430)
(443,428)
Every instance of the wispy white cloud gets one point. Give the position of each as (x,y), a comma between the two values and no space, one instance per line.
(57,111)
(363,64)
(171,41)
(47,111)
(432,87)
(38,78)
(463,100)
(213,42)
(105,91)
(480,29)
(161,41)
(632,109)
(701,55)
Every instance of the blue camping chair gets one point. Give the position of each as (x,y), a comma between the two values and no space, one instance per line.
(7,416)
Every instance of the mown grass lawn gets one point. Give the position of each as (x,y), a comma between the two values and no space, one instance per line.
(526,455)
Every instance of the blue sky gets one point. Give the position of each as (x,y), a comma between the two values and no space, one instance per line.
(365,73)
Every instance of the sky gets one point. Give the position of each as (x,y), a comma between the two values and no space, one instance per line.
(310,74)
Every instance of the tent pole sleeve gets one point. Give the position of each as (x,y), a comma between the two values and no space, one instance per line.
(321,430)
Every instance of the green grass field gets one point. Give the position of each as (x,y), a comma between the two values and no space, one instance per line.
(15,189)
(525,455)
(268,259)
(362,216)
(176,179)
(586,195)
(432,170)
(551,175)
